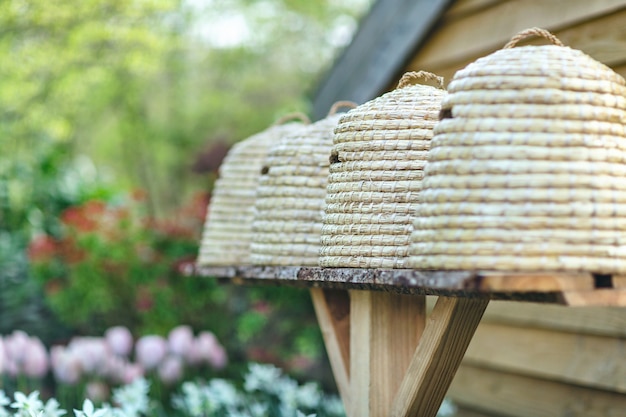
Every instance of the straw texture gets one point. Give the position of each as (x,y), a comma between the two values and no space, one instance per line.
(290,202)
(526,169)
(228,228)
(378,157)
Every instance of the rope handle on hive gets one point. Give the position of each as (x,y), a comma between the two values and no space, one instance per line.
(292,117)
(341,104)
(527,33)
(412,77)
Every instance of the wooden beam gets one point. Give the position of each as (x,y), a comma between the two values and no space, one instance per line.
(385,330)
(602,321)
(481,33)
(516,395)
(574,358)
(599,297)
(542,282)
(448,332)
(332,308)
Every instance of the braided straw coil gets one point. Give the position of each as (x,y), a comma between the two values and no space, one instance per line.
(227,231)
(526,169)
(290,201)
(378,157)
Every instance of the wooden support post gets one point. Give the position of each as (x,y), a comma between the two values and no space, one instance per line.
(385,329)
(448,332)
(332,308)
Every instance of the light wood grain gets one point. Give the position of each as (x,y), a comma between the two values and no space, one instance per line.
(385,330)
(600,297)
(606,321)
(332,308)
(496,281)
(448,332)
(514,395)
(481,33)
(586,360)
(463,8)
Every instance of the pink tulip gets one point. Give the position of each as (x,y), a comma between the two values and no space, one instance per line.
(120,340)
(217,357)
(180,340)
(15,346)
(207,349)
(97,391)
(35,359)
(3,359)
(171,370)
(150,351)
(91,352)
(115,368)
(132,371)
(65,365)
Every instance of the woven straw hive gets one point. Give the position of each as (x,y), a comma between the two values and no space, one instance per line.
(290,201)
(227,231)
(378,157)
(527,166)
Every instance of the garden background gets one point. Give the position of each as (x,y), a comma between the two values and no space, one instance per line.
(114,116)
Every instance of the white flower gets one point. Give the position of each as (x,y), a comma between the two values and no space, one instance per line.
(262,377)
(301,414)
(133,398)
(223,393)
(89,410)
(308,395)
(52,409)
(30,403)
(4,400)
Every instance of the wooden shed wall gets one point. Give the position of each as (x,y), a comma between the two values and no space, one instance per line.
(530,360)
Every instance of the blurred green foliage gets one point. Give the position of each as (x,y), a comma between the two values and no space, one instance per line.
(102,97)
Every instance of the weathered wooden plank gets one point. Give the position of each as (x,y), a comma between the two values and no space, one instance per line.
(332,308)
(515,395)
(603,321)
(599,297)
(604,39)
(385,330)
(462,8)
(448,332)
(481,33)
(543,282)
(586,360)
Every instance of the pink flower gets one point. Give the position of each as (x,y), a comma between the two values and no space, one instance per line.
(91,353)
(171,370)
(15,348)
(65,365)
(2,357)
(207,349)
(97,391)
(150,351)
(180,340)
(132,371)
(35,359)
(120,340)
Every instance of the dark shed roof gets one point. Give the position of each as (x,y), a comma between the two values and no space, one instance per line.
(386,39)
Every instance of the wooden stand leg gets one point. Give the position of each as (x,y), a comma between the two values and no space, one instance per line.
(448,332)
(332,308)
(385,329)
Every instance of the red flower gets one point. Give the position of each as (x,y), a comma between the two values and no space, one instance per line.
(42,248)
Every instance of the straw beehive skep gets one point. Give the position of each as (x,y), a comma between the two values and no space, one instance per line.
(527,164)
(290,201)
(228,227)
(378,156)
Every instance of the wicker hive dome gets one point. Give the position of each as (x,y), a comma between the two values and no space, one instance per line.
(290,200)
(378,157)
(526,170)
(227,231)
